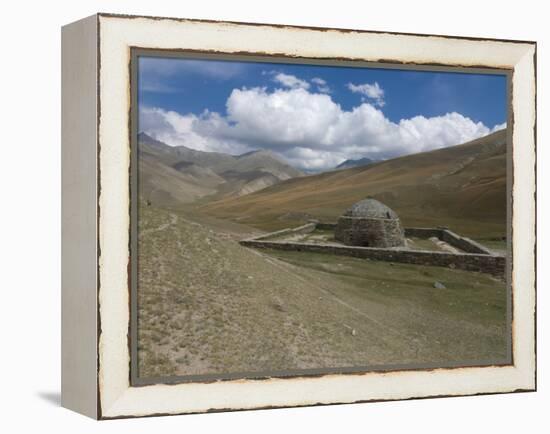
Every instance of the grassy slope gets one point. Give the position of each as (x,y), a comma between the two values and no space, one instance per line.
(463,187)
(164,185)
(209,305)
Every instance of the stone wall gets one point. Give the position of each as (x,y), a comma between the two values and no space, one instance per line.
(304,229)
(371,232)
(492,264)
(325,226)
(465,244)
(423,232)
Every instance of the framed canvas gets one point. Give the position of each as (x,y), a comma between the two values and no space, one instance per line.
(262,216)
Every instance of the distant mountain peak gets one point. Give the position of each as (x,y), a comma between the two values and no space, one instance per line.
(365,161)
(260,152)
(144,137)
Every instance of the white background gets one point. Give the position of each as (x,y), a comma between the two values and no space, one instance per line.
(30,217)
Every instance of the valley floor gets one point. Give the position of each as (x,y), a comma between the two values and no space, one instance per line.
(207,305)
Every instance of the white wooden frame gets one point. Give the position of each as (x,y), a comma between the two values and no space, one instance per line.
(96,219)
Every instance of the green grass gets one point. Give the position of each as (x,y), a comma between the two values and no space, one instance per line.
(467,296)
(497,245)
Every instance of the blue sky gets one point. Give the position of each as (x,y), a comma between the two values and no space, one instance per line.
(314,116)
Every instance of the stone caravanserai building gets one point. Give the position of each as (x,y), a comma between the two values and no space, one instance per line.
(370,223)
(370,230)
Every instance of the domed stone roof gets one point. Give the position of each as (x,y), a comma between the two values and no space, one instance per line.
(370,208)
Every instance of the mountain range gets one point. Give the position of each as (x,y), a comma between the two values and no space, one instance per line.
(171,175)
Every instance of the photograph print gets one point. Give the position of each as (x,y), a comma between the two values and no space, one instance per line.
(300,219)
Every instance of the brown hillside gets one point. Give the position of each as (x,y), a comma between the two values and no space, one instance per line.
(463,187)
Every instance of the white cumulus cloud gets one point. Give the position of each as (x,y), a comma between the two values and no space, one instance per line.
(322,85)
(370,91)
(307,128)
(290,81)
(499,127)
(196,132)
